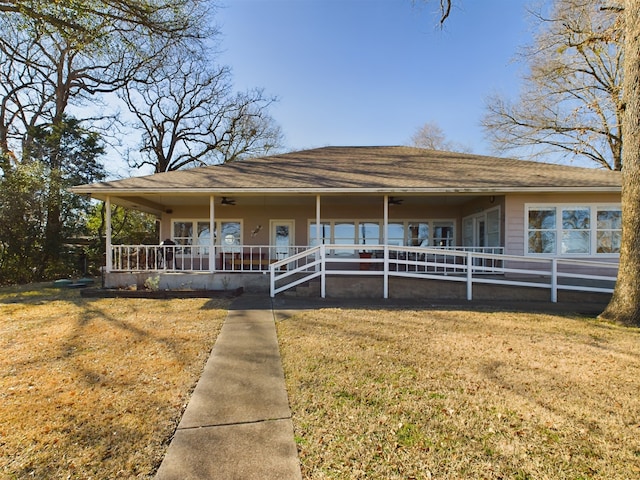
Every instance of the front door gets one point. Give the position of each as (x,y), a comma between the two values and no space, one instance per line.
(282,238)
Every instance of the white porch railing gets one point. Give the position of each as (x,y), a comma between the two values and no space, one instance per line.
(257,258)
(196,258)
(291,266)
(458,265)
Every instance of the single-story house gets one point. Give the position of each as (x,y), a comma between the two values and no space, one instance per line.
(276,222)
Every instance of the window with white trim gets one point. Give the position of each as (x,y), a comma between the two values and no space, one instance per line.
(573,229)
(230,237)
(400,232)
(324,234)
(608,230)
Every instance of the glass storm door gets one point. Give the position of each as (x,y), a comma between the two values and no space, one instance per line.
(282,238)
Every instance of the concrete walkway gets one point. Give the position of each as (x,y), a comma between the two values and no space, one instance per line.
(237,424)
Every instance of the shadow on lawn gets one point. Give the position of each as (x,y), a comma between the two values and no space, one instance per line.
(588,309)
(87,372)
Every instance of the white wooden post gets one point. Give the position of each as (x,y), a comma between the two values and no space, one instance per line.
(108,233)
(385,232)
(469,276)
(323,274)
(554,280)
(385,293)
(272,280)
(212,238)
(318,234)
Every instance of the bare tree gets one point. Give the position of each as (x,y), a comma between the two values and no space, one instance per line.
(571,101)
(190,117)
(431,136)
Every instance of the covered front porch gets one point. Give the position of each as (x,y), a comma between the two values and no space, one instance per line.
(247,233)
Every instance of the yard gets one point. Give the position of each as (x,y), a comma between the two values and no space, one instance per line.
(402,394)
(95,388)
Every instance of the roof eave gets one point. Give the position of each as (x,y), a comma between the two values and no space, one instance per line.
(104,192)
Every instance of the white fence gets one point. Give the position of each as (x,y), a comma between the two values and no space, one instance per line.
(458,265)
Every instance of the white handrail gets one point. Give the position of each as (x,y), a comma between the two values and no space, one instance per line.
(464,265)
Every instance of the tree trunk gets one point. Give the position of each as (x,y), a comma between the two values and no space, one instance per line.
(625,303)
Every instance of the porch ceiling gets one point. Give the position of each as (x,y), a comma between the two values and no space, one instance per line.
(160,203)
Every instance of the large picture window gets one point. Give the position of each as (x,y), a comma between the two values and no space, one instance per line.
(573,229)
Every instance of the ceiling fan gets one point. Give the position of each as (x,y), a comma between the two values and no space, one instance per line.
(227,201)
(395,201)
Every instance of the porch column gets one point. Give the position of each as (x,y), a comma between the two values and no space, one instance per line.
(212,238)
(318,236)
(385,227)
(109,255)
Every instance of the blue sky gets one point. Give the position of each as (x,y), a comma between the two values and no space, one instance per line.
(370,72)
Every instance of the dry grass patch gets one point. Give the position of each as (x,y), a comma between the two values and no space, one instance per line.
(95,388)
(457,394)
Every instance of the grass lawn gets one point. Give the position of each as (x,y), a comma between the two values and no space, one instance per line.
(94,388)
(401,394)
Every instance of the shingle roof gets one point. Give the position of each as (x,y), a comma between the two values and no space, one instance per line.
(364,169)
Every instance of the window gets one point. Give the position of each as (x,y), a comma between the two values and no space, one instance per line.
(325,234)
(542,230)
(419,233)
(608,230)
(576,230)
(571,230)
(396,234)
(368,233)
(344,233)
(204,236)
(183,234)
(443,234)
